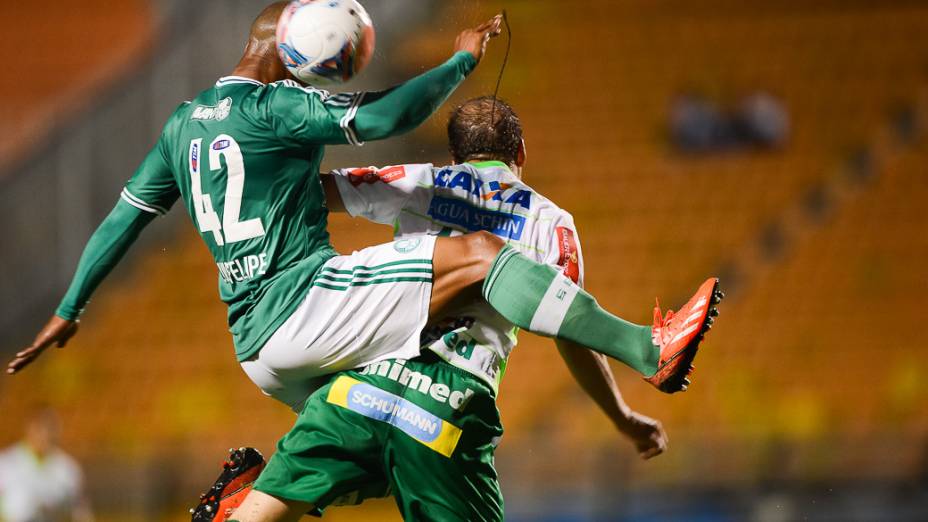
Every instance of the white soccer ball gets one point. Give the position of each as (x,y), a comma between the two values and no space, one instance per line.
(325,42)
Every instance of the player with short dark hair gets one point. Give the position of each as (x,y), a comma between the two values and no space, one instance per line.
(473,135)
(425,429)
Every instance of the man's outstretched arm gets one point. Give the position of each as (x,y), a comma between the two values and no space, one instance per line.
(106,247)
(303,116)
(149,193)
(591,370)
(406,106)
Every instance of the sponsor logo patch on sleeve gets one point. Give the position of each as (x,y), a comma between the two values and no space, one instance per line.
(569,258)
(391,174)
(371,175)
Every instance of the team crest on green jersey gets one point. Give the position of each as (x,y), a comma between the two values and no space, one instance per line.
(216,112)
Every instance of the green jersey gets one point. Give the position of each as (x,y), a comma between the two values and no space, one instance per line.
(244,157)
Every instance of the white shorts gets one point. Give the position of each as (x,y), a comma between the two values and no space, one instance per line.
(360,309)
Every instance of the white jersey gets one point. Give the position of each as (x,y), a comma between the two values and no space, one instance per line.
(449,201)
(34,490)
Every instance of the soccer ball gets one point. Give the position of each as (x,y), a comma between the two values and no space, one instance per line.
(325,42)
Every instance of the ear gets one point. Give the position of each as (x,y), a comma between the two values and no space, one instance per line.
(520,154)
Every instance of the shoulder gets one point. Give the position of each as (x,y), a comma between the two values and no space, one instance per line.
(562,217)
(554,223)
(8,454)
(546,209)
(291,90)
(290,87)
(180,114)
(562,226)
(15,458)
(66,463)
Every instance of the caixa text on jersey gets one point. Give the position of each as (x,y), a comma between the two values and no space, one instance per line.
(489,190)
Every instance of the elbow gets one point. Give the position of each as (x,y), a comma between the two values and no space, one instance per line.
(386,126)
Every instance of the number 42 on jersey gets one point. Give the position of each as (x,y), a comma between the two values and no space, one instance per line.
(229,229)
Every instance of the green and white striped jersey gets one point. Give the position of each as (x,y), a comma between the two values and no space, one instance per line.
(422,199)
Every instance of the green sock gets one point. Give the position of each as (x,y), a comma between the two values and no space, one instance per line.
(542,300)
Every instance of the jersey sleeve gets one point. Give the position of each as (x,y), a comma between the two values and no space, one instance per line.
(302,116)
(106,247)
(152,188)
(380,194)
(564,251)
(307,116)
(406,106)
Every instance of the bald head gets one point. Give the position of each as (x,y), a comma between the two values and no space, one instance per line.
(262,39)
(260,60)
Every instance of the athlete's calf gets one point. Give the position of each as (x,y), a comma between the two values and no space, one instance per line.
(543,300)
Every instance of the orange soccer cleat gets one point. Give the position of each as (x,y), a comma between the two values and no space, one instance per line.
(678,334)
(229,490)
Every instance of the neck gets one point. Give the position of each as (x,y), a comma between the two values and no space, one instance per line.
(517,170)
(38,451)
(260,68)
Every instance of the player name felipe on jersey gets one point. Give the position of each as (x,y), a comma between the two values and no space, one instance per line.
(243,268)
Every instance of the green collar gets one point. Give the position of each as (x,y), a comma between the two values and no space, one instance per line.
(491,163)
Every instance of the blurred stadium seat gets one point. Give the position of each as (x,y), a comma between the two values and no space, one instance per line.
(57,58)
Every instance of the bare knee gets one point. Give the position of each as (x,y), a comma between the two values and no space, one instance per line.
(483,247)
(459,263)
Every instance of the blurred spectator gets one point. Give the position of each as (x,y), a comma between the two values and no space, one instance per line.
(38,481)
(761,121)
(698,125)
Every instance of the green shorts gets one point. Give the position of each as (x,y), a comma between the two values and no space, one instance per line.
(421,430)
